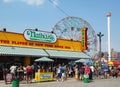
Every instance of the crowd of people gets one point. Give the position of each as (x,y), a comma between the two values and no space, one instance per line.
(94,72)
(19,72)
(61,71)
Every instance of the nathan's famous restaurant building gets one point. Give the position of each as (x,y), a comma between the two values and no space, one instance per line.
(32,44)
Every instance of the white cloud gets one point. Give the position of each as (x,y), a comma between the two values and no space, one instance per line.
(33,2)
(29,2)
(7,1)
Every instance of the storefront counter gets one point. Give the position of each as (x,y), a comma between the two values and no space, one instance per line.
(43,76)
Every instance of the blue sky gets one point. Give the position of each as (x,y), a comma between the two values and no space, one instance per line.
(17,15)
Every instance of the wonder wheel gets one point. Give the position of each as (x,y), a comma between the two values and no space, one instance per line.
(70,28)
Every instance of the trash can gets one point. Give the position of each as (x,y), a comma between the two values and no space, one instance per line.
(15,83)
(86,78)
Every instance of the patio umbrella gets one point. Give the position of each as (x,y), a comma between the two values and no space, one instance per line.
(44,59)
(110,63)
(89,62)
(82,60)
(116,63)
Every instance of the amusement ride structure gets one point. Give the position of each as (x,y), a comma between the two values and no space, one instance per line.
(69,28)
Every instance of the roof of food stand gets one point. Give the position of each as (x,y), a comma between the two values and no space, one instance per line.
(66,54)
(22,51)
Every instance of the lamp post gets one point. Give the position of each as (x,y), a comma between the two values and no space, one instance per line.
(100,36)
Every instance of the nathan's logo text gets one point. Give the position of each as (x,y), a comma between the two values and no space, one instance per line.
(30,34)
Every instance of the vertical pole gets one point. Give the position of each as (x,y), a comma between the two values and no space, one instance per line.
(27,60)
(100,36)
(100,46)
(109,43)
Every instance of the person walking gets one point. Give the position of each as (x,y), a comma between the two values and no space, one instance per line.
(87,70)
(59,72)
(29,73)
(13,70)
(82,69)
(116,71)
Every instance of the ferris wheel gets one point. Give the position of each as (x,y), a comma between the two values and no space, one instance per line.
(70,28)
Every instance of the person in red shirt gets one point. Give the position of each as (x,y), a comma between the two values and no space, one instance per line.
(87,70)
(29,73)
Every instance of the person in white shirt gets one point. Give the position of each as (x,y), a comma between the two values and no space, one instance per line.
(92,70)
(13,70)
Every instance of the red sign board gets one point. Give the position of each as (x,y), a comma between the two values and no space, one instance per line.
(9,77)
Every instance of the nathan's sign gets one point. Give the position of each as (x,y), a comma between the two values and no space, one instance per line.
(17,39)
(34,35)
(84,38)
